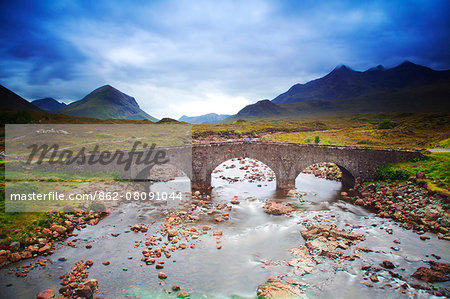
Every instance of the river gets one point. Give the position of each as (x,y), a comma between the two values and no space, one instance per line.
(255,246)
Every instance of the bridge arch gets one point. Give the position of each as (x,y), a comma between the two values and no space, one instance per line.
(244,169)
(346,177)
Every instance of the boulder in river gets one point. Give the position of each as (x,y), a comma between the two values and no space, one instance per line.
(47,294)
(182,294)
(274,208)
(327,239)
(430,275)
(84,291)
(274,288)
(302,261)
(387,264)
(58,228)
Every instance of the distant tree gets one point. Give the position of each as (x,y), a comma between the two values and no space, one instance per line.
(317,139)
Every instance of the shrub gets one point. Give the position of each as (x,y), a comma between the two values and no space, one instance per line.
(96,207)
(388,174)
(387,124)
(317,139)
(19,117)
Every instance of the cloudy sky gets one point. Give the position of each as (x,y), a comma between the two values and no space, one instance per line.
(195,57)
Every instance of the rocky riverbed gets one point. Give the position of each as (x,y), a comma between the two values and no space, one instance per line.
(243,240)
(329,171)
(410,203)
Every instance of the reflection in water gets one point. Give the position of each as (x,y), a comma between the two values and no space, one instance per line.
(255,246)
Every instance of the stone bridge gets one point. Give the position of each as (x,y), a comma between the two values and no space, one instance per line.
(287,160)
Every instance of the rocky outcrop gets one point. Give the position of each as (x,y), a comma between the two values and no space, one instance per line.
(301,260)
(436,273)
(274,208)
(326,240)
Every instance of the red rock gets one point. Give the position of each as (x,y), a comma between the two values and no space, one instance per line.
(83,291)
(429,275)
(366,267)
(274,208)
(88,246)
(374,278)
(441,267)
(274,288)
(58,228)
(15,257)
(47,294)
(387,264)
(46,231)
(62,259)
(359,202)
(89,263)
(106,263)
(182,294)
(45,248)
(161,275)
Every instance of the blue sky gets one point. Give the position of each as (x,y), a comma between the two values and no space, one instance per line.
(195,57)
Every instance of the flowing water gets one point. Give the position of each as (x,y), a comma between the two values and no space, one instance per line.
(255,247)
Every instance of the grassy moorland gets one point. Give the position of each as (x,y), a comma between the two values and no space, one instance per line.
(395,130)
(435,169)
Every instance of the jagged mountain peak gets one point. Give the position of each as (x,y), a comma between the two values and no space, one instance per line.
(377,68)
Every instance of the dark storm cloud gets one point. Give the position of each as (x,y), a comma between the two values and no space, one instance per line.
(192,57)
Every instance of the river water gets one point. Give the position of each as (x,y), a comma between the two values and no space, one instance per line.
(255,247)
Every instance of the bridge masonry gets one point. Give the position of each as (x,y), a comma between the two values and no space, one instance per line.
(287,160)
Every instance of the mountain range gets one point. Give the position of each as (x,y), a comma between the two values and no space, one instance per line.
(48,104)
(204,119)
(407,87)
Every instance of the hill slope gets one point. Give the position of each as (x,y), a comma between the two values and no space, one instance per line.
(106,102)
(12,101)
(48,104)
(204,119)
(261,109)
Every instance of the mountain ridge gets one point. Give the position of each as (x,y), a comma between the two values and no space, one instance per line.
(343,82)
(407,87)
(204,118)
(48,104)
